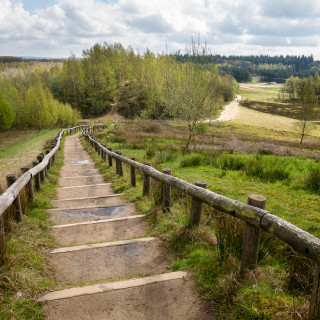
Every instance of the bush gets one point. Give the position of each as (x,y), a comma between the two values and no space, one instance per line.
(233,163)
(312,181)
(150,153)
(202,128)
(166,156)
(152,128)
(191,161)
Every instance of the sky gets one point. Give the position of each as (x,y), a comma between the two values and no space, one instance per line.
(58,28)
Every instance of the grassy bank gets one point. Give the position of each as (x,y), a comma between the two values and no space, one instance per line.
(280,287)
(27,274)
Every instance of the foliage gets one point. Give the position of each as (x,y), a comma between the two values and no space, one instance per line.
(110,76)
(32,102)
(6,113)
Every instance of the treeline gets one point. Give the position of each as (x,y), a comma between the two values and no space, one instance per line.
(267,68)
(26,101)
(110,76)
(295,87)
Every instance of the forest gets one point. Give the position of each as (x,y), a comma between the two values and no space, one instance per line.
(106,77)
(267,68)
(26,100)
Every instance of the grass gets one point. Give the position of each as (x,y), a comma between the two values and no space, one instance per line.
(26,274)
(257,120)
(259,93)
(280,287)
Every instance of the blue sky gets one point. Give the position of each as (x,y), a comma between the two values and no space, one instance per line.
(31,5)
(57,28)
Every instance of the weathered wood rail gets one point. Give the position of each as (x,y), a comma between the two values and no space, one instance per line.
(11,197)
(256,218)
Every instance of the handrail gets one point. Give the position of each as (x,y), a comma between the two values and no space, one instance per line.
(8,196)
(300,240)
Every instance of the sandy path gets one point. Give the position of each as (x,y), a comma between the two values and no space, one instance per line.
(229,113)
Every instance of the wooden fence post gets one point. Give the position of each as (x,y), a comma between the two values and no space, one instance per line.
(3,245)
(120,165)
(133,174)
(251,236)
(314,311)
(117,162)
(196,207)
(103,154)
(37,179)
(29,189)
(110,158)
(11,178)
(146,181)
(40,158)
(49,162)
(166,192)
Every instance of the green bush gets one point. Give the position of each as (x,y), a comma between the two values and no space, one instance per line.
(312,180)
(202,128)
(193,160)
(150,153)
(166,156)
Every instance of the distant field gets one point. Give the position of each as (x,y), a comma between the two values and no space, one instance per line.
(19,148)
(259,91)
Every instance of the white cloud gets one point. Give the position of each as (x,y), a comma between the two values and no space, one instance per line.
(229,26)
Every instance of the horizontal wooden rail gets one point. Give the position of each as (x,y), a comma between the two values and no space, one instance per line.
(8,197)
(300,240)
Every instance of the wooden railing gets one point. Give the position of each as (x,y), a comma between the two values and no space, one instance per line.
(253,214)
(12,195)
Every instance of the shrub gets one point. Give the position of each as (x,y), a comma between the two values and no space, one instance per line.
(202,128)
(166,156)
(150,153)
(191,161)
(233,163)
(152,128)
(312,180)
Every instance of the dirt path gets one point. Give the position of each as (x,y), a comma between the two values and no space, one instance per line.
(229,113)
(111,268)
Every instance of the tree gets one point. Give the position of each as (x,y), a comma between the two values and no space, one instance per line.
(190,94)
(309,103)
(6,113)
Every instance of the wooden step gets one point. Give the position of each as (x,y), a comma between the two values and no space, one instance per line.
(79,173)
(95,190)
(76,215)
(80,167)
(102,230)
(109,259)
(169,296)
(79,181)
(110,200)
